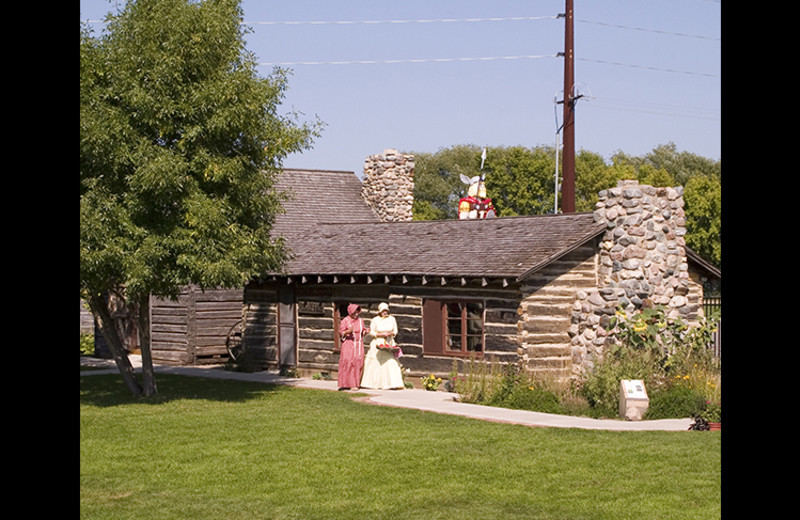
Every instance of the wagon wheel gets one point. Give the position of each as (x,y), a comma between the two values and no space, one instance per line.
(233,341)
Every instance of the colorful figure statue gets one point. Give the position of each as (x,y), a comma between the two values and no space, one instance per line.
(475,204)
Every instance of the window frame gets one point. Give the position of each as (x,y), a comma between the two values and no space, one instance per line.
(441,333)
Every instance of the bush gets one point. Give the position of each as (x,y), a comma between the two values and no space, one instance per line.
(479,384)
(672,359)
(87,344)
(531,398)
(601,387)
(681,377)
(509,386)
(675,401)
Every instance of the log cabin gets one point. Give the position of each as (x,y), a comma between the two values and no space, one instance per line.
(537,290)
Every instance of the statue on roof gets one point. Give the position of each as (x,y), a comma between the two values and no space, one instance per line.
(476,204)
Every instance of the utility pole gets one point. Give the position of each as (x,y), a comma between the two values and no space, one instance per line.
(568,183)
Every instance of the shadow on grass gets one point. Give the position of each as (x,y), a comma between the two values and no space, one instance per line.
(109,390)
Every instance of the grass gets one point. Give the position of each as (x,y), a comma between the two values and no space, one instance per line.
(216,449)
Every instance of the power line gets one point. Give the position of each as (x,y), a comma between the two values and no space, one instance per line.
(445,60)
(412,60)
(690,73)
(438,20)
(641,29)
(488,58)
(455,20)
(375,22)
(654,108)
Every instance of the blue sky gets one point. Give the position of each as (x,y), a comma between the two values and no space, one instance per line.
(650,71)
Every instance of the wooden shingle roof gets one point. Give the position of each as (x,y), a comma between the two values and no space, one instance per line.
(319,196)
(331,230)
(502,247)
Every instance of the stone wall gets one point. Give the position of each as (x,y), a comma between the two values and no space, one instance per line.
(388,185)
(641,260)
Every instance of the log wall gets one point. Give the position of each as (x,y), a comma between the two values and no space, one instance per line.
(193,329)
(261,324)
(318,306)
(169,330)
(546,310)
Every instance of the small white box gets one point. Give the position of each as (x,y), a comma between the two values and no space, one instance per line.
(633,400)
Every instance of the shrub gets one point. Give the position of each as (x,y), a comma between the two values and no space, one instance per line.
(681,378)
(660,351)
(509,386)
(479,383)
(674,401)
(532,398)
(87,344)
(601,387)
(574,404)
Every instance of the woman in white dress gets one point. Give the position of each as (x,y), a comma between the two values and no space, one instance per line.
(381,369)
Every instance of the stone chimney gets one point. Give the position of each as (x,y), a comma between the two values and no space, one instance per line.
(641,261)
(388,185)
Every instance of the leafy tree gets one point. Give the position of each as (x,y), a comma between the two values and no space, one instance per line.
(437,180)
(592,175)
(702,197)
(701,178)
(520,182)
(180,142)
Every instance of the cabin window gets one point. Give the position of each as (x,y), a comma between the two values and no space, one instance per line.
(453,327)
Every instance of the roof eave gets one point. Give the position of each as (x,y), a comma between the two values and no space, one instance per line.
(704,264)
(578,243)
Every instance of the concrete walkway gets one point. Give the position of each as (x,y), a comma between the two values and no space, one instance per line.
(438,402)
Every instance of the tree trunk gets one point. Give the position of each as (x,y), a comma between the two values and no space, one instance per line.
(110,333)
(143,321)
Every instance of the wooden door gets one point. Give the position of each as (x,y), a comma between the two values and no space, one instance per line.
(287,327)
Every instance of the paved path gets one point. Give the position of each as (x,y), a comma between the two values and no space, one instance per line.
(438,402)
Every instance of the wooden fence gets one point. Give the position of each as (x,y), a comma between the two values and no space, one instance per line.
(713,307)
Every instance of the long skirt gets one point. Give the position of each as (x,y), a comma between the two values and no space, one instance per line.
(381,370)
(351,361)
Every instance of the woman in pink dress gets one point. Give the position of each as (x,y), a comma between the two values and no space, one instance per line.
(351,357)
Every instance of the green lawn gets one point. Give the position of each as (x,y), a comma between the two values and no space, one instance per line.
(227,450)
